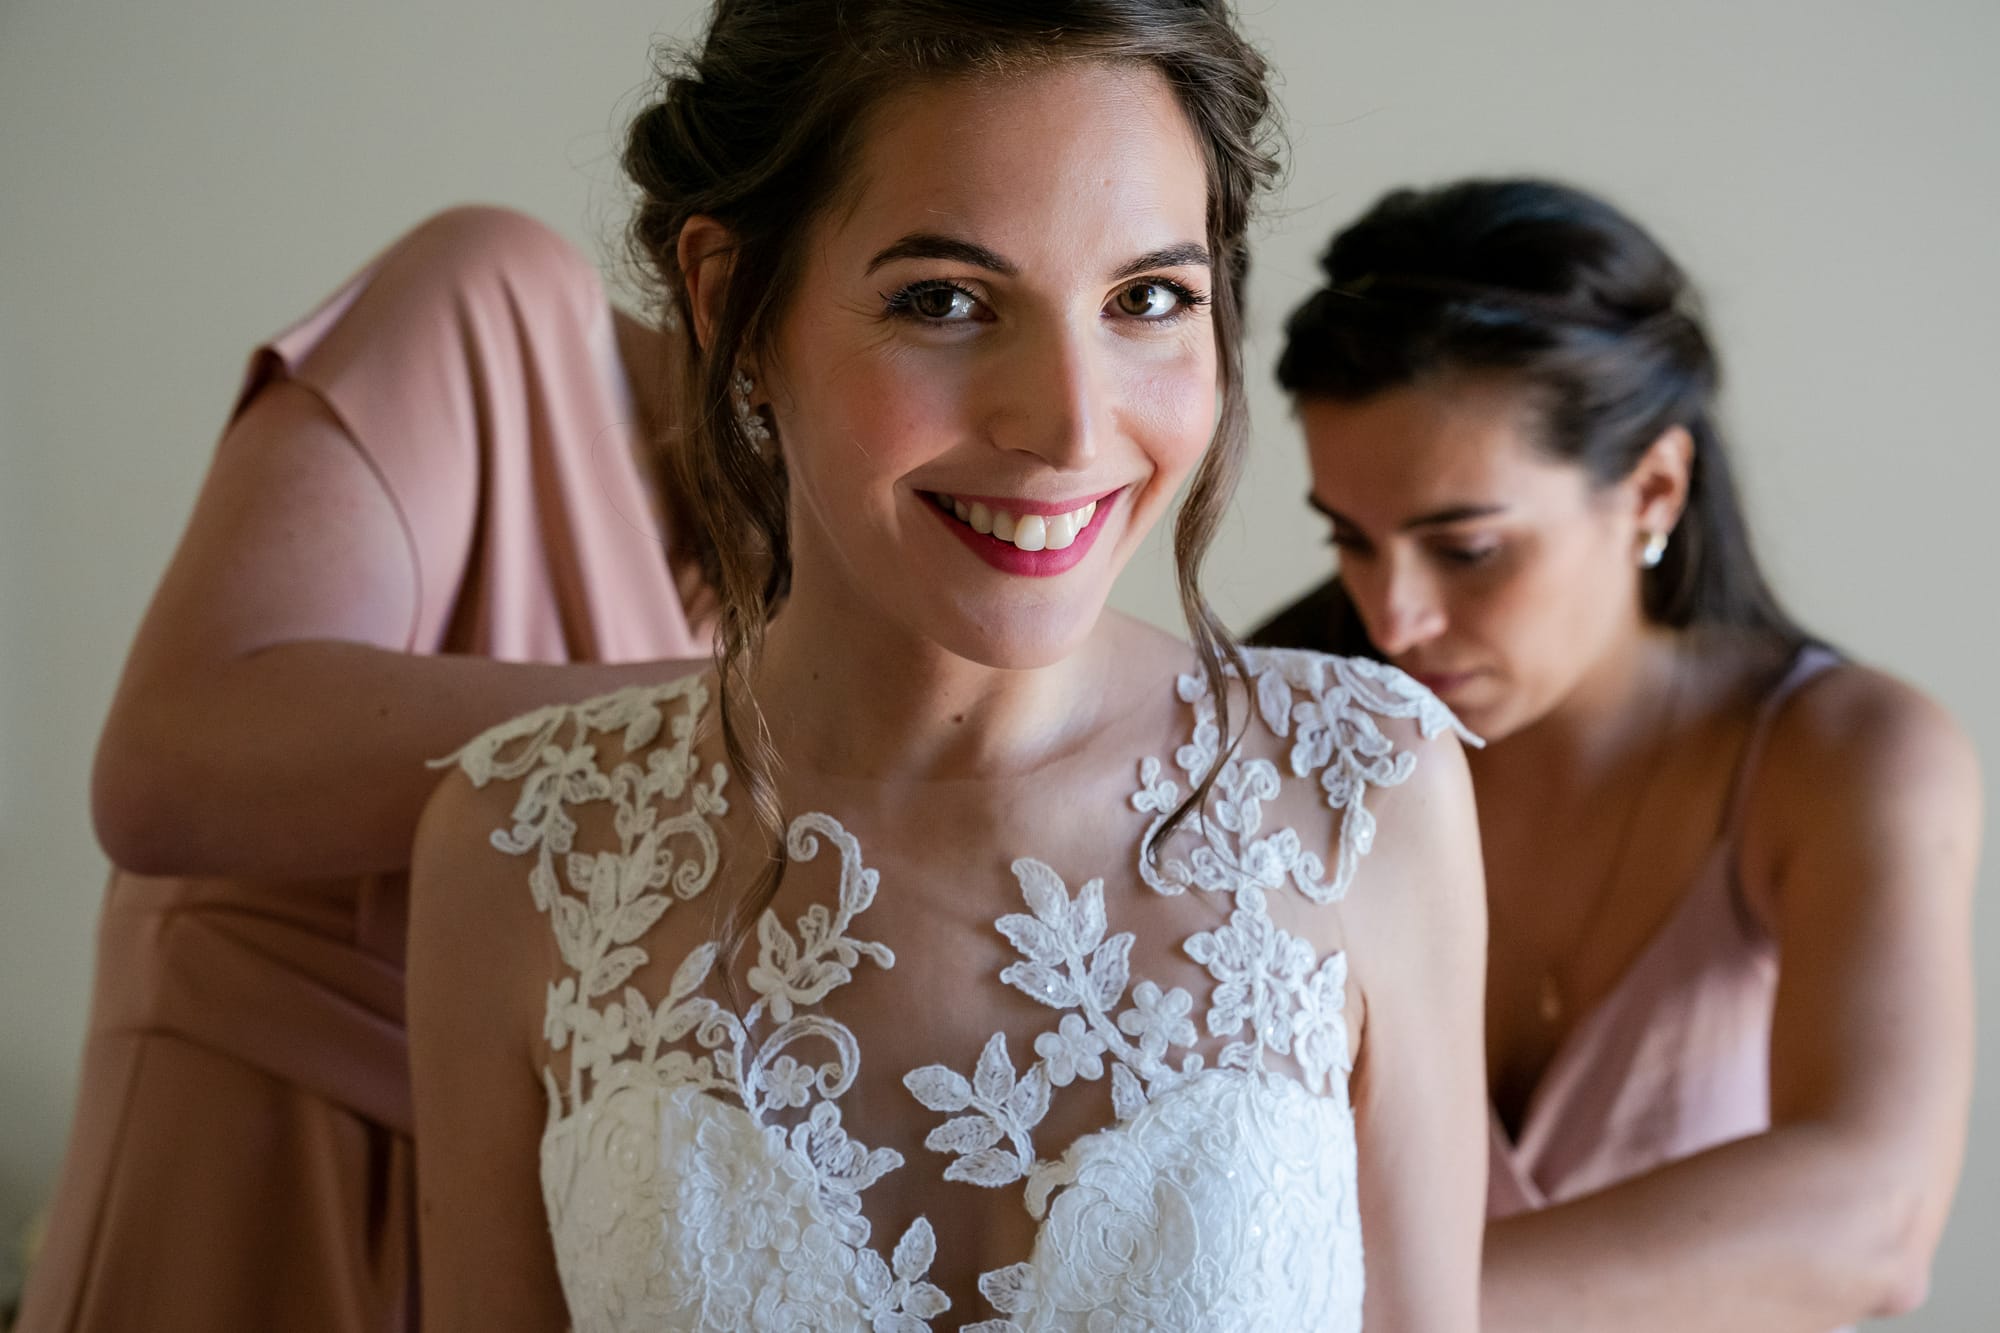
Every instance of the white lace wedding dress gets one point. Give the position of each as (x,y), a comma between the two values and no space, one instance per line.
(1122,1105)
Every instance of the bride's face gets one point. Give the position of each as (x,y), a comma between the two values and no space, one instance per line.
(999,362)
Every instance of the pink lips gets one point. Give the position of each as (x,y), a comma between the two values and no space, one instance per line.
(1011,559)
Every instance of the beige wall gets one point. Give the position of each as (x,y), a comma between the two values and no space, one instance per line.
(177,181)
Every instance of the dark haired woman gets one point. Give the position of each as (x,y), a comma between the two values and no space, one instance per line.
(956,953)
(436,500)
(1729,874)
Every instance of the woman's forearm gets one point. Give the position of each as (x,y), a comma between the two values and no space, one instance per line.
(1798,1230)
(305,760)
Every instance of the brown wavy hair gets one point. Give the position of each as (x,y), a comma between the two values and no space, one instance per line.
(758,126)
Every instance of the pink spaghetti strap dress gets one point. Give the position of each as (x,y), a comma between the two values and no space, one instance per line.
(1676,1059)
(241,1155)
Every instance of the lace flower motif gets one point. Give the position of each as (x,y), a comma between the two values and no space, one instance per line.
(697,1167)
(1068,962)
(1329,707)
(1259,970)
(1072,1051)
(1159,1019)
(771,1218)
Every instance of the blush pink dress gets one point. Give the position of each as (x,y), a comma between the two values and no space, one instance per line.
(241,1155)
(1676,1058)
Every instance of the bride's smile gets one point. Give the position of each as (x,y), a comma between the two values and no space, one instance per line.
(1038,538)
(1012,314)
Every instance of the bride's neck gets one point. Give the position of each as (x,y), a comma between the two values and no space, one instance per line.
(877,702)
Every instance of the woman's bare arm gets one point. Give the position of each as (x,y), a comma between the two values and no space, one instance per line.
(1865,823)
(1418,912)
(479,962)
(269,722)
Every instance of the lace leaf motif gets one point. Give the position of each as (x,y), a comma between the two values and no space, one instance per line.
(1067,963)
(1328,707)
(600,905)
(1271,993)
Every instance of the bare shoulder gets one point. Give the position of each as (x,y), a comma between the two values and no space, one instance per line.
(454,833)
(472,915)
(1867,789)
(481,960)
(1861,738)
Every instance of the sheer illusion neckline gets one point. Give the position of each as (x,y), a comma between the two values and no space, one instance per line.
(701,1168)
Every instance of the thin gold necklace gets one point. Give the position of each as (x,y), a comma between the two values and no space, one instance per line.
(1550,1001)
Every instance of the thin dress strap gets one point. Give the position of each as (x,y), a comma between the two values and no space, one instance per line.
(1808,662)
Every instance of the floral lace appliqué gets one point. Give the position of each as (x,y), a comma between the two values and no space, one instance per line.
(696,1166)
(773,1232)
(1328,707)
(1137,1232)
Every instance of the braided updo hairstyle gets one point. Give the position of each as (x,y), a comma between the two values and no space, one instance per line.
(758,126)
(1553,289)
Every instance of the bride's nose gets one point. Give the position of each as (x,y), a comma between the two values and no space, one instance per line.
(1050,401)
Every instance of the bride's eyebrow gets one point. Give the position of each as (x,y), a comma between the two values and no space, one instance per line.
(932,245)
(1185,254)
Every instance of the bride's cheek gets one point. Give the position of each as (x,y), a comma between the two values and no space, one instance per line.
(899,412)
(1174,414)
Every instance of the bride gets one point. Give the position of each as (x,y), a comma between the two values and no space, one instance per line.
(955,952)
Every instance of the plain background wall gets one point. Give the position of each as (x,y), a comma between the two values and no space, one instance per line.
(176,182)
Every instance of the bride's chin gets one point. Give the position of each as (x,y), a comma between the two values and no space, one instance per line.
(1024,641)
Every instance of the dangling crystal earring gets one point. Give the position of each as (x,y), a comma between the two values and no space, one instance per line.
(1654,552)
(749,418)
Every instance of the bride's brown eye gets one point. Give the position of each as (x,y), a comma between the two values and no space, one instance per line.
(940,301)
(1147,300)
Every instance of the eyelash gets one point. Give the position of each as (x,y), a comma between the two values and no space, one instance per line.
(901,304)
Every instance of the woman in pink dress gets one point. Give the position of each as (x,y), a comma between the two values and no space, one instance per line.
(1729,999)
(436,496)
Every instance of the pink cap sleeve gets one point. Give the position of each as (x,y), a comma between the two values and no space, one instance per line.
(406,356)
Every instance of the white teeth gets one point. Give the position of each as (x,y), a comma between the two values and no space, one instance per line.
(1029,532)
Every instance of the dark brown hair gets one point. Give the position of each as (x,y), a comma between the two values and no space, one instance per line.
(1548,287)
(758,126)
